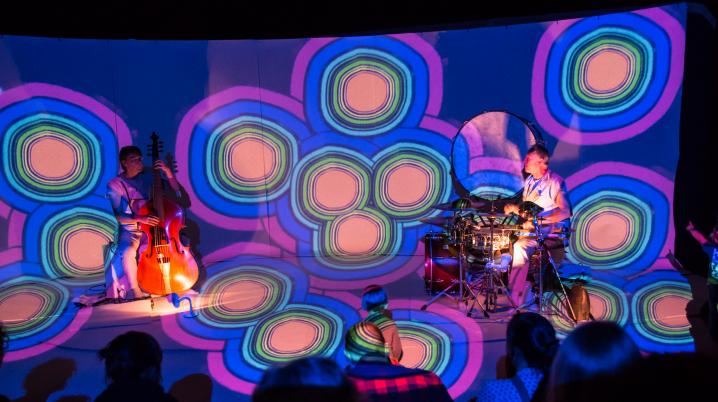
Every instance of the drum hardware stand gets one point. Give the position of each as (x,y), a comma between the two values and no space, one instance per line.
(541,247)
(463,285)
(487,282)
(431,262)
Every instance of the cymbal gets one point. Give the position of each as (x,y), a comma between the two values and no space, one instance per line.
(459,204)
(442,221)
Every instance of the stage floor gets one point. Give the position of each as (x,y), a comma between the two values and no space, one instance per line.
(259,312)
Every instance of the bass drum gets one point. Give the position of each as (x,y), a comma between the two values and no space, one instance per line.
(441,262)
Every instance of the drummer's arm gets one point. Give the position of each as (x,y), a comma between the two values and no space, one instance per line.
(511,209)
(562,210)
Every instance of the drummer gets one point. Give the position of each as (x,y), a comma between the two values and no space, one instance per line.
(547,190)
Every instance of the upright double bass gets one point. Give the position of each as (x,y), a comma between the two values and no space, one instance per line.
(165,265)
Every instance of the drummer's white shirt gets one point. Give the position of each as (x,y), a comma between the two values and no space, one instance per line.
(543,192)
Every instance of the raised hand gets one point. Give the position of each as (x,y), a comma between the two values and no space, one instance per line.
(160,165)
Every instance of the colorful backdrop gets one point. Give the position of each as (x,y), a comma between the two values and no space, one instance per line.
(310,162)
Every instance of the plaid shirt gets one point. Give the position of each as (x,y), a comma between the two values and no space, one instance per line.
(384,382)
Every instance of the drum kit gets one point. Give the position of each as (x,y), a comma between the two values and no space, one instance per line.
(471,256)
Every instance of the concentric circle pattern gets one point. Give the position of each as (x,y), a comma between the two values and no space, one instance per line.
(236,152)
(296,331)
(51,158)
(311,325)
(603,80)
(240,296)
(359,211)
(359,238)
(619,223)
(29,306)
(613,228)
(409,180)
(424,347)
(365,92)
(74,245)
(367,86)
(659,311)
(606,71)
(59,146)
(330,182)
(248,159)
(59,150)
(439,340)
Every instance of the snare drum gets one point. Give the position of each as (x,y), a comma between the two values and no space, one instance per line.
(441,262)
(501,240)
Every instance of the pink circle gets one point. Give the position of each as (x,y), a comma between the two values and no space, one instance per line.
(608,231)
(408,185)
(367,92)
(243,295)
(85,249)
(414,352)
(670,311)
(607,71)
(335,189)
(357,235)
(548,122)
(599,308)
(251,159)
(20,307)
(52,158)
(293,337)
